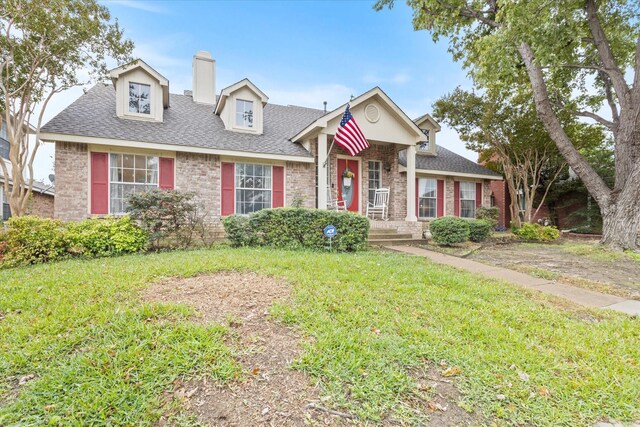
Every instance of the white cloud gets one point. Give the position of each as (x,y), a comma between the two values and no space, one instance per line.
(449,139)
(313,96)
(139,5)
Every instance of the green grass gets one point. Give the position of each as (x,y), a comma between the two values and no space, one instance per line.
(371,319)
(599,253)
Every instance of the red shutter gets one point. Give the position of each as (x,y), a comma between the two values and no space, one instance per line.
(227,184)
(478,194)
(277,200)
(417,195)
(166,179)
(456,198)
(99,183)
(440,198)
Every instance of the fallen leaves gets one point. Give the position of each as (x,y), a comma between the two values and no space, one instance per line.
(452,371)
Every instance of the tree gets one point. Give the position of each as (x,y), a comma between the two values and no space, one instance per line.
(578,56)
(44,45)
(509,138)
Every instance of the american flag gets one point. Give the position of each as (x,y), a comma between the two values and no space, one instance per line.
(349,136)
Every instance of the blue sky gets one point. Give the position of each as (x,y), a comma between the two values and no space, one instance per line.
(297,52)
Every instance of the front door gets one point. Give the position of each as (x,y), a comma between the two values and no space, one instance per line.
(348,183)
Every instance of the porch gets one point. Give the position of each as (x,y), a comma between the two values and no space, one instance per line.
(384,233)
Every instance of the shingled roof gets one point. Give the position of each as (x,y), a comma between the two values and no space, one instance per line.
(447,161)
(186,123)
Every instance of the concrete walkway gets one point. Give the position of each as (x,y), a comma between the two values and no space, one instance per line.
(572,293)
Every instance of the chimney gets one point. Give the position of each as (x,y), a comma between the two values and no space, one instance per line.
(204,78)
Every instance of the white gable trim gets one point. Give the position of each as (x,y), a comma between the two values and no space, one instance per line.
(224,94)
(427,118)
(138,63)
(448,173)
(322,122)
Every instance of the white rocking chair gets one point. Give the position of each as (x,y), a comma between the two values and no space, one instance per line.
(380,205)
(334,205)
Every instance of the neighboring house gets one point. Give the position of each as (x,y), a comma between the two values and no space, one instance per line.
(501,199)
(41,202)
(241,154)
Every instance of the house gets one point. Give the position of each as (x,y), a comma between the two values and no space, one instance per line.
(41,202)
(240,153)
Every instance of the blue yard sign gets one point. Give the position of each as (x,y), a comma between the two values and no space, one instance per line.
(330,231)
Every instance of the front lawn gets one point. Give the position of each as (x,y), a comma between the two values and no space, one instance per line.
(99,355)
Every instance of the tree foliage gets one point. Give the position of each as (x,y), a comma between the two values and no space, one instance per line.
(46,47)
(580,57)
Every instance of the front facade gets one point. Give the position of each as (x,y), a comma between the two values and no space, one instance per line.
(240,154)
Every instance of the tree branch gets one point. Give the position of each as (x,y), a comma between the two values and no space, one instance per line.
(604,122)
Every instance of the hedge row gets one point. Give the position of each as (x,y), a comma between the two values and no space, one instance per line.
(31,240)
(295,228)
(449,230)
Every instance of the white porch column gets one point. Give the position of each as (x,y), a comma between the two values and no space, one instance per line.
(322,171)
(411,184)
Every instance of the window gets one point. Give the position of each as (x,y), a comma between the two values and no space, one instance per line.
(253,187)
(467,199)
(130,173)
(375,178)
(427,198)
(244,113)
(4,141)
(139,98)
(4,203)
(425,146)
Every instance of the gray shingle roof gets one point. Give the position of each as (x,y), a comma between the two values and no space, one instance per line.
(447,161)
(185,123)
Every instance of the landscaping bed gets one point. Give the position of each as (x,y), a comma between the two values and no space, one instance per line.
(364,338)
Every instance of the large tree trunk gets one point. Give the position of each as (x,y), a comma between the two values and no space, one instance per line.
(621,218)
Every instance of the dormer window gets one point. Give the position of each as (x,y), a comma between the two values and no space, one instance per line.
(425,145)
(244,113)
(139,98)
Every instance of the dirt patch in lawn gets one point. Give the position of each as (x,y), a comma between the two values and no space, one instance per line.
(271,392)
(619,276)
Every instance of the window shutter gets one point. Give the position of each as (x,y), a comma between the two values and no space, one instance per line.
(166,178)
(227,184)
(417,197)
(99,183)
(440,198)
(478,194)
(456,198)
(277,198)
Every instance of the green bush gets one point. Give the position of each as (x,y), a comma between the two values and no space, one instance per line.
(296,228)
(537,233)
(100,237)
(30,240)
(479,230)
(489,214)
(449,230)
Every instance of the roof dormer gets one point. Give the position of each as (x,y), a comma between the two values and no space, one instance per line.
(240,106)
(429,127)
(141,92)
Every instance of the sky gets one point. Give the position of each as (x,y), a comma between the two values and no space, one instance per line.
(296,52)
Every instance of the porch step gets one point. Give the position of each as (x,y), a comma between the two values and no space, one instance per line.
(373,235)
(373,230)
(394,242)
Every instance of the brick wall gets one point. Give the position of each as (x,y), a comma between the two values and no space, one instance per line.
(41,205)
(200,173)
(72,181)
(300,184)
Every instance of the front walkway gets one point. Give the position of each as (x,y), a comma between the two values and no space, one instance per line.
(578,295)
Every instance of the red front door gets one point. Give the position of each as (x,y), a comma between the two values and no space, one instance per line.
(348,188)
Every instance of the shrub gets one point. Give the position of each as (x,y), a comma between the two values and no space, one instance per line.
(296,228)
(488,214)
(30,239)
(537,233)
(449,230)
(479,230)
(100,237)
(170,217)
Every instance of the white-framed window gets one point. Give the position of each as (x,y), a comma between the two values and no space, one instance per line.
(375,178)
(253,187)
(425,145)
(467,199)
(427,195)
(4,141)
(5,210)
(244,113)
(130,173)
(139,98)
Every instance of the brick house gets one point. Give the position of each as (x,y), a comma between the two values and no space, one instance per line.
(41,203)
(240,153)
